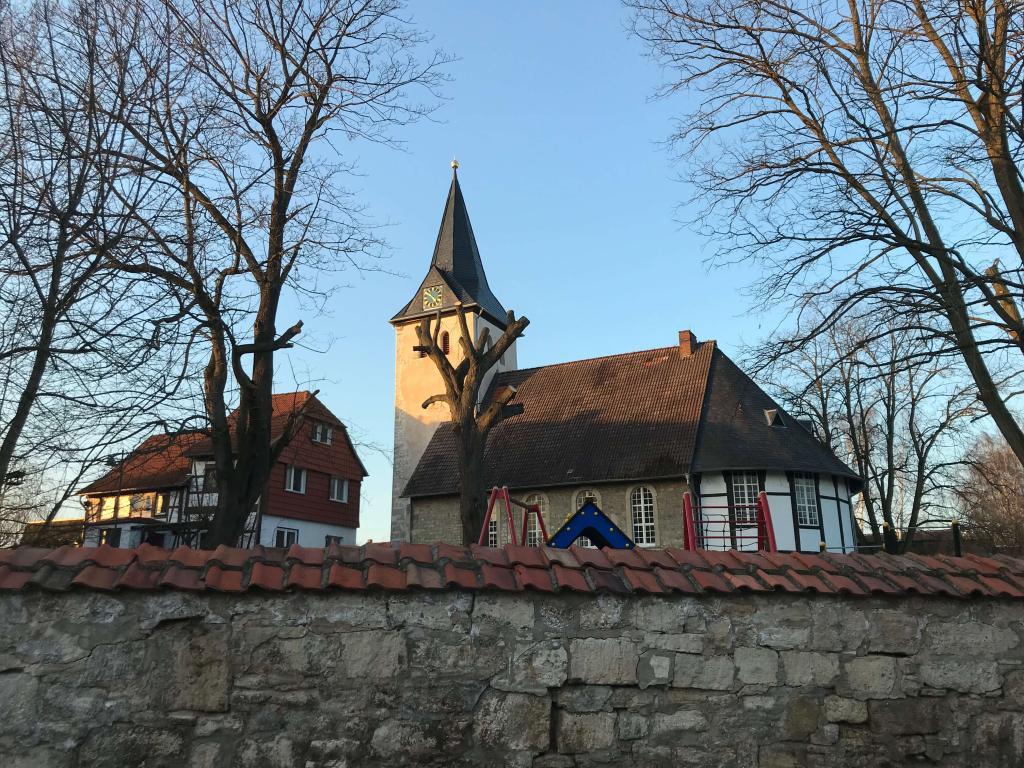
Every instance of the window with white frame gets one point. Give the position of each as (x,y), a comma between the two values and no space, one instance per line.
(339,489)
(295,479)
(322,433)
(492,533)
(641,506)
(533,535)
(805,494)
(582,498)
(285,537)
(745,491)
(328,540)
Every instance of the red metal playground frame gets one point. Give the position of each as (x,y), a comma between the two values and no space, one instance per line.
(502,495)
(734,528)
(731,525)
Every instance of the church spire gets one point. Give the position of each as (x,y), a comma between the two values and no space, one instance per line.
(455,267)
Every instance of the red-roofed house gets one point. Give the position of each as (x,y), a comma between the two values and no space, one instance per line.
(164,490)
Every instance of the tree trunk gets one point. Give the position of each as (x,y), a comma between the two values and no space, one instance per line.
(472,488)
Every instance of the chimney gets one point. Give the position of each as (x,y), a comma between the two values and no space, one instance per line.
(687,343)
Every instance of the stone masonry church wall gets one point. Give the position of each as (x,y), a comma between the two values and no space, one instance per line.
(457,678)
(437,519)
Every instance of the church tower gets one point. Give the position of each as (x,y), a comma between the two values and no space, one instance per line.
(456,274)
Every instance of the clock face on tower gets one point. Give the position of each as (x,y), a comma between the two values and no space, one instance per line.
(432,297)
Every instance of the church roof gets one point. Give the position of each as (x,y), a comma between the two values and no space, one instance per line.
(636,416)
(456,266)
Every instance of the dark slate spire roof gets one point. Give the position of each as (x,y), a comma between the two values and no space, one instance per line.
(456,266)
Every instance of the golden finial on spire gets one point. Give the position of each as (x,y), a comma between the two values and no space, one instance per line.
(455,164)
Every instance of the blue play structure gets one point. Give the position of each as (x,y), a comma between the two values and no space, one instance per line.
(591,522)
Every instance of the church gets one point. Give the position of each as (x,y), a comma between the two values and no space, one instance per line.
(633,432)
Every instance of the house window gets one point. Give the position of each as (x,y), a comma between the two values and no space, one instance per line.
(210,478)
(806,497)
(582,498)
(745,490)
(445,343)
(533,536)
(641,505)
(328,540)
(295,479)
(322,433)
(111,537)
(339,489)
(285,537)
(141,504)
(492,533)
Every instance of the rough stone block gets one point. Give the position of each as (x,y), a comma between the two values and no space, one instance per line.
(376,654)
(585,731)
(840,710)
(514,721)
(904,717)
(959,674)
(894,632)
(969,638)
(498,611)
(630,726)
(603,661)
(534,668)
(801,719)
(403,738)
(654,668)
(672,724)
(585,698)
(757,666)
(714,673)
(810,668)
(871,677)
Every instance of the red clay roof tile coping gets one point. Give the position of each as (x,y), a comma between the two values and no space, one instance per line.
(410,567)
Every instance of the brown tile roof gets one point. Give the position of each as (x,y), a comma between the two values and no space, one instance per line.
(509,569)
(735,434)
(641,415)
(162,461)
(607,418)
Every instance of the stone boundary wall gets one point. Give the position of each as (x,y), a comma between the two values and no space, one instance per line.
(460,678)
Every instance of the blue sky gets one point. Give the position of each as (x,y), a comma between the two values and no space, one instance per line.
(574,202)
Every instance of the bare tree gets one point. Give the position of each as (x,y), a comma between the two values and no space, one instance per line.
(237,114)
(472,419)
(865,151)
(990,497)
(78,373)
(894,413)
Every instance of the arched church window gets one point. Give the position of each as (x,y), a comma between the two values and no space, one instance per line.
(445,343)
(533,538)
(641,505)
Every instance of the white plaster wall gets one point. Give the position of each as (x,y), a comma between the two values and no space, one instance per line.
(311,534)
(836,519)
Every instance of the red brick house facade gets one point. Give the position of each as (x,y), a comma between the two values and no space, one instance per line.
(164,490)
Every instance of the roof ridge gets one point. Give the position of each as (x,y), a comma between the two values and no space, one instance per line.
(671,348)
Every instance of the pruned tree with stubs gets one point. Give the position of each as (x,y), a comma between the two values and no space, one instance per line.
(864,152)
(472,419)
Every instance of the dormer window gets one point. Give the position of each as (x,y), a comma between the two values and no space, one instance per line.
(773,417)
(322,433)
